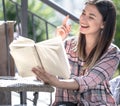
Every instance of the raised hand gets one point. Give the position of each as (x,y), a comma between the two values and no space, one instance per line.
(64,29)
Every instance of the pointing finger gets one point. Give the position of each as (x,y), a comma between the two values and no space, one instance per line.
(65,20)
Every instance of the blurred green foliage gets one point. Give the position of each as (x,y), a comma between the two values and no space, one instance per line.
(117,37)
(46,13)
(49,14)
(36,7)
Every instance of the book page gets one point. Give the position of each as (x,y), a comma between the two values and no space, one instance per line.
(53,57)
(25,56)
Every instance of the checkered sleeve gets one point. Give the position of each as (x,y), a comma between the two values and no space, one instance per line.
(103,70)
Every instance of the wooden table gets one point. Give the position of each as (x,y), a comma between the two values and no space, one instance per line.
(8,84)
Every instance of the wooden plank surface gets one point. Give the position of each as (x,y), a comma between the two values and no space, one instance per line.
(5,97)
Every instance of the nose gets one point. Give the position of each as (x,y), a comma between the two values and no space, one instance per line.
(83,19)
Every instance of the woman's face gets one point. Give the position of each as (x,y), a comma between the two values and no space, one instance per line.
(91,21)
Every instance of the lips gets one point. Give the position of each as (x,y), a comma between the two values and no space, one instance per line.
(84,26)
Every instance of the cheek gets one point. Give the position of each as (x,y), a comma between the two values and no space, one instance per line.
(96,25)
(99,22)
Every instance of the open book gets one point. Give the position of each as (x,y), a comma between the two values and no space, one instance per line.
(50,54)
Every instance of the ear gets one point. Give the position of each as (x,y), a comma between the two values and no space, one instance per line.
(102,26)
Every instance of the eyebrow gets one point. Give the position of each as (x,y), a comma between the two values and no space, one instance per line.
(91,14)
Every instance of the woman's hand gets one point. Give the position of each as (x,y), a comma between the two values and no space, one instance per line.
(64,29)
(41,74)
(53,80)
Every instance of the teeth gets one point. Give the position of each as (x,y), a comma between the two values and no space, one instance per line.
(84,25)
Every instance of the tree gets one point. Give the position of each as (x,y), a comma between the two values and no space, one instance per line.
(38,9)
(117,36)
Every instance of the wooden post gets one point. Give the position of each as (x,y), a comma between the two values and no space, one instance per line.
(5,58)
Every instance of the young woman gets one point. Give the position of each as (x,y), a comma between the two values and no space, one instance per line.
(92,56)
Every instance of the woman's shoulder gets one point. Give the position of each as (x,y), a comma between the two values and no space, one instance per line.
(72,40)
(70,44)
(114,49)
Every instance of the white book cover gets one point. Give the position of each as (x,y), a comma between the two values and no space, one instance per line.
(48,53)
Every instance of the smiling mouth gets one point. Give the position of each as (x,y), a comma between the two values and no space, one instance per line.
(84,26)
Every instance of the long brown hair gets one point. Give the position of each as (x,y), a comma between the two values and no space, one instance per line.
(108,12)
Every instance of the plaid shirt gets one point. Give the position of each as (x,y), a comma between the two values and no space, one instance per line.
(94,85)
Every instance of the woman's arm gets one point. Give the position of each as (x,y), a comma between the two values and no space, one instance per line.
(101,72)
(53,80)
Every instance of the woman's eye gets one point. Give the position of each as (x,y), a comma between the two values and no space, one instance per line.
(91,17)
(83,13)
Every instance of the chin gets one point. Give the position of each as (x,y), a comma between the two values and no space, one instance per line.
(82,32)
